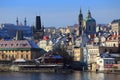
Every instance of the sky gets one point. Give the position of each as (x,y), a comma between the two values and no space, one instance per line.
(58,13)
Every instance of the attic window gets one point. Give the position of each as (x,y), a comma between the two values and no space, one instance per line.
(17,44)
(5,44)
(24,44)
(1,44)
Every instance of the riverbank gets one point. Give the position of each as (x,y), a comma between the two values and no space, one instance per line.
(47,68)
(34,68)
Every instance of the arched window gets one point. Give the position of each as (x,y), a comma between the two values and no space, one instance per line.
(114,45)
(3,56)
(21,55)
(26,56)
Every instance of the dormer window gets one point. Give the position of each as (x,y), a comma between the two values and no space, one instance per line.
(11,44)
(5,44)
(17,44)
(1,44)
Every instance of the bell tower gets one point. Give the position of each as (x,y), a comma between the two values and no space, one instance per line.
(80,22)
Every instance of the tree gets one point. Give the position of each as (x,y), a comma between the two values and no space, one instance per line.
(67,59)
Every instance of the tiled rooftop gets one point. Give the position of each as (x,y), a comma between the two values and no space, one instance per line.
(15,44)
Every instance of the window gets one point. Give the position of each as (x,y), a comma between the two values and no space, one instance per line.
(12,56)
(11,44)
(5,44)
(21,55)
(17,44)
(2,55)
(100,61)
(114,45)
(26,56)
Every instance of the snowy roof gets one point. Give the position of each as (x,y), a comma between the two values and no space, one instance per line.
(19,60)
(15,44)
(12,44)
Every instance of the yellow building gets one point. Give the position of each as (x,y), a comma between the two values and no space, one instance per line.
(18,49)
(67,30)
(77,54)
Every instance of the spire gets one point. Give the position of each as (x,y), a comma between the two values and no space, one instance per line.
(25,22)
(80,11)
(89,14)
(80,18)
(80,22)
(17,22)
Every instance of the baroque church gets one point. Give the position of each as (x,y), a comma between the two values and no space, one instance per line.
(86,27)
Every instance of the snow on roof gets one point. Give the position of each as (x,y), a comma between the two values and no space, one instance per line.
(19,60)
(33,44)
(15,44)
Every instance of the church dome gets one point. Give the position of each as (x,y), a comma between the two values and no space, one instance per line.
(89,17)
(90,24)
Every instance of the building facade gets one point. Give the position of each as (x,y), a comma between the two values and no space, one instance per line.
(77,54)
(115,26)
(93,53)
(18,49)
(105,63)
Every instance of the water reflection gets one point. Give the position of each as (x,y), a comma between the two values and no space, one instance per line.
(58,76)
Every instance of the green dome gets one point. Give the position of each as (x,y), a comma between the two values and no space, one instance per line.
(89,19)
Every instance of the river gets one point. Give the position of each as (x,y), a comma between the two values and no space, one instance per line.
(58,76)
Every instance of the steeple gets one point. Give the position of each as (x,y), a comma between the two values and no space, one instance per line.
(80,22)
(25,22)
(80,16)
(89,14)
(17,22)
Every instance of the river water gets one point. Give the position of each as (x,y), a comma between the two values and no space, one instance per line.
(58,76)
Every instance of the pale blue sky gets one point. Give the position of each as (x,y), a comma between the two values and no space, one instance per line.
(59,13)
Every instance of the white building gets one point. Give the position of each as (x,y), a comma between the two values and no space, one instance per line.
(42,44)
(93,53)
(46,45)
(104,63)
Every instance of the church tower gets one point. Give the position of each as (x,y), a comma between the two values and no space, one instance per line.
(38,31)
(25,22)
(80,22)
(17,22)
(38,22)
